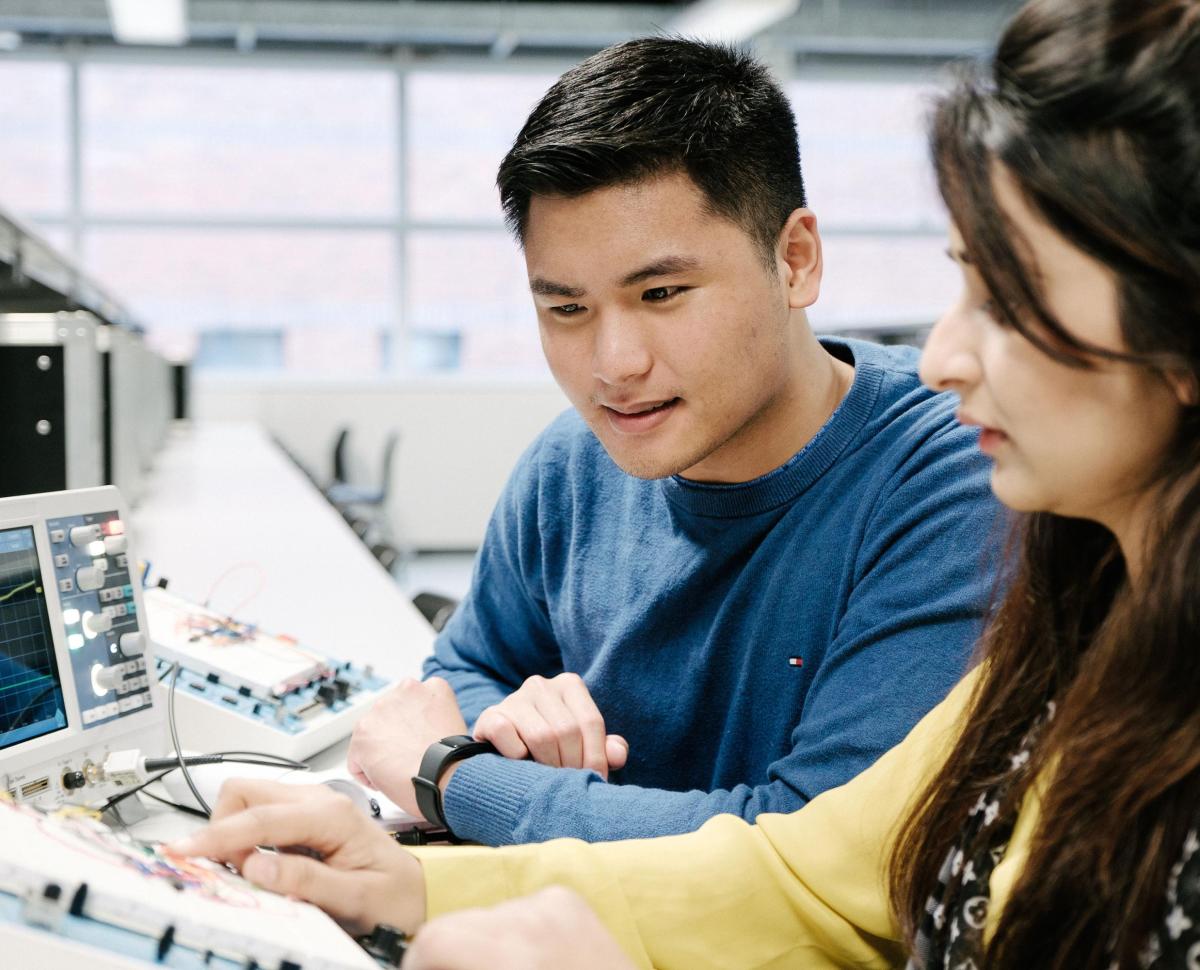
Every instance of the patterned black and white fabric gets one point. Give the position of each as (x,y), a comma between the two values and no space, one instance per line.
(951,932)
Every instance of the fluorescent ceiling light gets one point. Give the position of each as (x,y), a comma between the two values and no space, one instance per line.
(731,20)
(149,21)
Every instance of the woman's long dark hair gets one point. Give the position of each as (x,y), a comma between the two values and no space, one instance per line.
(1093,108)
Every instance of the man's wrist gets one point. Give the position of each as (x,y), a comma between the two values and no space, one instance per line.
(444,783)
(433,775)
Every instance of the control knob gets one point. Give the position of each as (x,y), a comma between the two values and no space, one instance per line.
(81,535)
(133,644)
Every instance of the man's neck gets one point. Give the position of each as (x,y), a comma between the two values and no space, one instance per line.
(819,381)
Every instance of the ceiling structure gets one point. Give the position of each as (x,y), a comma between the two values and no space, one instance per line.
(501,29)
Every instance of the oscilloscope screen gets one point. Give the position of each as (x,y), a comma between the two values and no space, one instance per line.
(31,697)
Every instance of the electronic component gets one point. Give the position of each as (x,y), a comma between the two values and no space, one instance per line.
(74,682)
(75,893)
(240,687)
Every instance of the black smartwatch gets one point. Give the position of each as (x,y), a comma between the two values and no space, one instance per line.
(438,757)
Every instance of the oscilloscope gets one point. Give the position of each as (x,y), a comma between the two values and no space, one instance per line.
(75,670)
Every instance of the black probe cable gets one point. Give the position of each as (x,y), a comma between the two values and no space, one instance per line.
(224,757)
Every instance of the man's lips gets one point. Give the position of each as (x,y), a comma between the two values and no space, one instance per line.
(639,408)
(639,417)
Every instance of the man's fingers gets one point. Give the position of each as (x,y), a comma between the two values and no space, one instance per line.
(537,735)
(617,750)
(493,726)
(590,723)
(567,736)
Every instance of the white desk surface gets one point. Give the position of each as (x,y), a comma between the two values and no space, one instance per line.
(224,494)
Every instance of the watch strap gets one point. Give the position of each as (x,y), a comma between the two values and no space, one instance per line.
(437,758)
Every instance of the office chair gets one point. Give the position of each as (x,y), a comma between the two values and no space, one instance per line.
(339,457)
(347,496)
(365,507)
(435,607)
(386,554)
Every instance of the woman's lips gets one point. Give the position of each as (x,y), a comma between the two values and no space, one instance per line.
(990,439)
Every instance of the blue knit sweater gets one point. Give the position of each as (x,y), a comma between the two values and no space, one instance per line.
(683,605)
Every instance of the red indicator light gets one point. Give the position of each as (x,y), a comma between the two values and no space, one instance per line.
(114,527)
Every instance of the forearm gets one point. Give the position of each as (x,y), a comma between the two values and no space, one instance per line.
(496,801)
(803,889)
(724,896)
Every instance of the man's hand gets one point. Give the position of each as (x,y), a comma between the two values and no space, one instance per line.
(555,722)
(389,742)
(363,877)
(549,930)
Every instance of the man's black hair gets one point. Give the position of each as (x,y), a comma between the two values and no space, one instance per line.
(657,105)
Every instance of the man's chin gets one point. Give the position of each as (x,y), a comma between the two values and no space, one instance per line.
(647,463)
(657,455)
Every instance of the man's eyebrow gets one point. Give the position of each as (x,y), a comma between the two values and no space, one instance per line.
(667,266)
(544,287)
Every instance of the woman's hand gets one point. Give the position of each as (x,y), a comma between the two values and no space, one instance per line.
(551,929)
(328,852)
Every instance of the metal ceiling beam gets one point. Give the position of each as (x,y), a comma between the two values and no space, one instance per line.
(902,28)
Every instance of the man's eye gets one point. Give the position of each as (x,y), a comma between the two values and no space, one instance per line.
(660,293)
(567,309)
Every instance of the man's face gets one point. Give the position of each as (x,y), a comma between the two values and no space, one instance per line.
(664,327)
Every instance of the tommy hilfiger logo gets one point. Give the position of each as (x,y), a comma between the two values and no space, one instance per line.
(795,661)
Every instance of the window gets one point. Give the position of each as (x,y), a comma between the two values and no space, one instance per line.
(883,282)
(460,127)
(469,307)
(470,297)
(238,142)
(869,181)
(251,214)
(322,290)
(34,163)
(864,155)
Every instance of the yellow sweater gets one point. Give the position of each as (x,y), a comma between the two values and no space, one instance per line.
(801,890)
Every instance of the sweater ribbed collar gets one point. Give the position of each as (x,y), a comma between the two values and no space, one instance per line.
(785,483)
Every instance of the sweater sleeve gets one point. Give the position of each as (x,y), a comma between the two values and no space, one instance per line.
(500,633)
(805,889)
(912,616)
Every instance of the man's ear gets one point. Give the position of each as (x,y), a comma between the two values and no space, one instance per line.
(799,256)
(1185,386)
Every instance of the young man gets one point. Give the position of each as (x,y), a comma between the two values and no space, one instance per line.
(748,561)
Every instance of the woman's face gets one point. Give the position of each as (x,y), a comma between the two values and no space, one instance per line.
(1079,442)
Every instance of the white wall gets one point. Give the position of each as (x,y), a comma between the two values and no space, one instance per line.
(459,439)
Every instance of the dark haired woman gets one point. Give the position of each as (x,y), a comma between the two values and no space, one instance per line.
(1045,815)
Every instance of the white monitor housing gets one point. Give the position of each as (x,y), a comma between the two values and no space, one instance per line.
(76,667)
